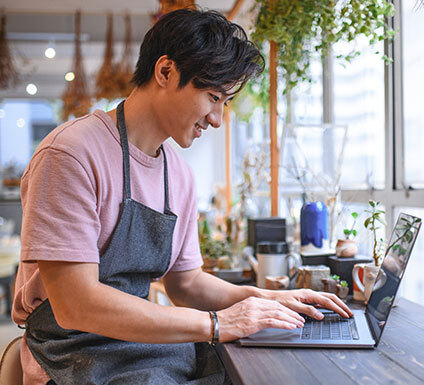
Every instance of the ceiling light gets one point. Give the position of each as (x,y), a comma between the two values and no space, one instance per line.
(2,113)
(50,51)
(31,89)
(69,76)
(20,122)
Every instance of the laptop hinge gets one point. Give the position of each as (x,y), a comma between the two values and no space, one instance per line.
(370,326)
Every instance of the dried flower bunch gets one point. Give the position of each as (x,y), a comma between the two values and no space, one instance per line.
(124,70)
(76,100)
(8,74)
(167,6)
(106,79)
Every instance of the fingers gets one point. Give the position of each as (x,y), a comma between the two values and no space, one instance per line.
(271,309)
(302,300)
(336,304)
(308,310)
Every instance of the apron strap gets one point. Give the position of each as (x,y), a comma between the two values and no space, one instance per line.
(165,178)
(126,156)
(125,150)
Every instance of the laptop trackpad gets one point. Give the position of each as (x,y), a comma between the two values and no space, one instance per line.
(275,335)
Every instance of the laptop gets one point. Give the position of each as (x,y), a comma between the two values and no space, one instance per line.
(365,328)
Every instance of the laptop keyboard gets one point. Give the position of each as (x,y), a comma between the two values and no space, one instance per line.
(331,327)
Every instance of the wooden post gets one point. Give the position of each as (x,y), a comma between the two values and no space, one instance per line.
(273,115)
(227,117)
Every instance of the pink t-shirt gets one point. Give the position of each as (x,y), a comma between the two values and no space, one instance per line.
(71,195)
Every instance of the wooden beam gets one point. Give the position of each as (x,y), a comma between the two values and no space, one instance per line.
(235,10)
(227,117)
(273,126)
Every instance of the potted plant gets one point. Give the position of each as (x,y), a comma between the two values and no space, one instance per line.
(342,290)
(212,248)
(373,223)
(347,247)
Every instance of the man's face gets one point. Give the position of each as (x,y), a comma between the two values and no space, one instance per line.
(190,110)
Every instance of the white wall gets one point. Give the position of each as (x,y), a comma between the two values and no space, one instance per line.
(206,157)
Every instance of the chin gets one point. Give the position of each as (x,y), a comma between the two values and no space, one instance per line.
(184,143)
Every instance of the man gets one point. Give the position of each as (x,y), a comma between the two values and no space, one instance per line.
(108,205)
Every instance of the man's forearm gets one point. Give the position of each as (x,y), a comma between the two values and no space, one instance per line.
(204,291)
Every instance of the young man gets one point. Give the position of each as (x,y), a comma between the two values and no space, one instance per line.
(109,205)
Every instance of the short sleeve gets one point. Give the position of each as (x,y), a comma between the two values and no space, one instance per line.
(60,218)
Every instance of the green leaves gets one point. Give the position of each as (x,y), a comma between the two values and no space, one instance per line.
(303,27)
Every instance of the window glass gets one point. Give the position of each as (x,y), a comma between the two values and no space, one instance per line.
(412,286)
(359,104)
(413,94)
(23,124)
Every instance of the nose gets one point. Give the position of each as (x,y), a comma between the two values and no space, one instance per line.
(214,118)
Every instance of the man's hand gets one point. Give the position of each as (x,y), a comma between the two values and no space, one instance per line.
(254,314)
(305,300)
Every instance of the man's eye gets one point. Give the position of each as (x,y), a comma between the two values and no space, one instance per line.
(214,97)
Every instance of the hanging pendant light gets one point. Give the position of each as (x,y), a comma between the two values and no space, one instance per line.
(76,100)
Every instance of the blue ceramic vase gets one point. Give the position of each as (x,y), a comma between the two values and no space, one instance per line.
(314,224)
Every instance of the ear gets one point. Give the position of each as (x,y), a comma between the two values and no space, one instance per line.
(165,71)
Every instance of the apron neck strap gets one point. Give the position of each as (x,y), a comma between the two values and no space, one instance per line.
(125,150)
(165,179)
(126,155)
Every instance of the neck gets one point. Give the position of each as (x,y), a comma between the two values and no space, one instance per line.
(142,121)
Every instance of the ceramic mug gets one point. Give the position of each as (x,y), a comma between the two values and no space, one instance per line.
(364,280)
(273,259)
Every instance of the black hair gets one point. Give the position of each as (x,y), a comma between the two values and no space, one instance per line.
(206,48)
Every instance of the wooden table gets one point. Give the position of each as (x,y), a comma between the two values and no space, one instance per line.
(399,358)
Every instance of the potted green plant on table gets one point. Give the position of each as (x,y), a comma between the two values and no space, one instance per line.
(348,247)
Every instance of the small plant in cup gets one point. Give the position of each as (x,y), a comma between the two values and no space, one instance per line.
(352,232)
(373,223)
(347,247)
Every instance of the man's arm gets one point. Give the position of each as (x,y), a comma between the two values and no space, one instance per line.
(240,307)
(79,301)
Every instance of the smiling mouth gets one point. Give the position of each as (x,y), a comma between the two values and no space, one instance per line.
(199,129)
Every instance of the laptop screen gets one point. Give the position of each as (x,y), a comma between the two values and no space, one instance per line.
(392,269)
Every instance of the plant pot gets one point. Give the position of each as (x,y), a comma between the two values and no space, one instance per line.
(346,248)
(342,291)
(330,285)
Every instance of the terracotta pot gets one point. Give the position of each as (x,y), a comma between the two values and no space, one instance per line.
(346,248)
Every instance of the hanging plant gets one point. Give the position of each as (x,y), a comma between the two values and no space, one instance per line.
(124,70)
(106,79)
(8,74)
(76,100)
(302,27)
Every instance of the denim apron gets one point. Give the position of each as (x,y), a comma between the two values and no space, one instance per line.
(139,250)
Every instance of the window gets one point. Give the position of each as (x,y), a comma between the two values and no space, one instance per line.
(413,92)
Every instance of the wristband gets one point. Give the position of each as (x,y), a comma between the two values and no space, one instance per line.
(214,328)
